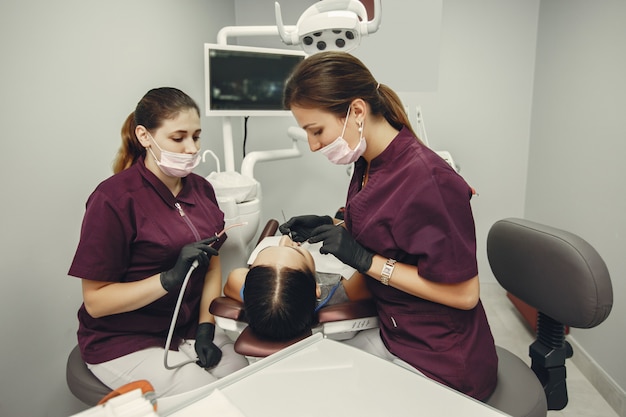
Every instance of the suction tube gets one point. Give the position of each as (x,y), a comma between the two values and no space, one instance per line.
(170,333)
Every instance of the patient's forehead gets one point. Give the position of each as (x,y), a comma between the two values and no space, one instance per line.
(294,257)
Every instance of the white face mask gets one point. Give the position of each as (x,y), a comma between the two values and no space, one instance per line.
(175,164)
(339,152)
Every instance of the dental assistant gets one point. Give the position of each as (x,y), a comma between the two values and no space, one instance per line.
(142,230)
(408,224)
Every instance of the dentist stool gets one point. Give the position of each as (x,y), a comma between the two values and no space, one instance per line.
(566,280)
(81,382)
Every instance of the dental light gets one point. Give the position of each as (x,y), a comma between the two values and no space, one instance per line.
(330,25)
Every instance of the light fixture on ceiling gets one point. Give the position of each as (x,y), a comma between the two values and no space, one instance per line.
(330,25)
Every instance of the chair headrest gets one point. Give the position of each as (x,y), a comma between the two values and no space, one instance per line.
(228,308)
(249,344)
(554,271)
(349,310)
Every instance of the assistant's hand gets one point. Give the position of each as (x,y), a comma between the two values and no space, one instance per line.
(300,227)
(209,355)
(200,251)
(338,241)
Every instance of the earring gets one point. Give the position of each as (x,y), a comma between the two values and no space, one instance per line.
(360,127)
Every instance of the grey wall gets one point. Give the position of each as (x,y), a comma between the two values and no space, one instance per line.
(480,110)
(578,143)
(73,69)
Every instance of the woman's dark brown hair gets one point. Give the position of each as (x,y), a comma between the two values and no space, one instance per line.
(332,80)
(157,105)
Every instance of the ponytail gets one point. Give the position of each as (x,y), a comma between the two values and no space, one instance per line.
(394,110)
(131,149)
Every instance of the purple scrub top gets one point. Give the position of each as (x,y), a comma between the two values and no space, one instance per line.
(132,230)
(416,209)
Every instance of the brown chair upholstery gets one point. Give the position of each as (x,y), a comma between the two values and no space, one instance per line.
(250,345)
(269,230)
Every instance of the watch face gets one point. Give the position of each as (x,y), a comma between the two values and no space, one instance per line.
(385,274)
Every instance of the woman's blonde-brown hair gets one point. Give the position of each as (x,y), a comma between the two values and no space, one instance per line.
(157,105)
(332,80)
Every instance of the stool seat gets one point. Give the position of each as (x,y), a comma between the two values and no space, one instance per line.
(81,382)
(520,396)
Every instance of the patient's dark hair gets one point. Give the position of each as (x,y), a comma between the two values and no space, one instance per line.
(279,302)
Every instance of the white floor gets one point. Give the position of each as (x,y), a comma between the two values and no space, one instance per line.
(511,332)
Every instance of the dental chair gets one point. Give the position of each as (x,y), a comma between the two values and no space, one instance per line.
(337,321)
(567,282)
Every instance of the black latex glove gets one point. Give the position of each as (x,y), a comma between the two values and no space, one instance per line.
(338,241)
(200,251)
(209,355)
(300,227)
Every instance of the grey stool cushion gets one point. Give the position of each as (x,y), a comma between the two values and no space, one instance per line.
(83,384)
(521,395)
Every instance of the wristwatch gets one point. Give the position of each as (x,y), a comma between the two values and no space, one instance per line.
(385,274)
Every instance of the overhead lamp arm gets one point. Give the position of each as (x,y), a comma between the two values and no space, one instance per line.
(374,24)
(330,24)
(289,36)
(233,31)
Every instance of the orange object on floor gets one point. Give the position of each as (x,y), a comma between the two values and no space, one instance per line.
(146,389)
(529,313)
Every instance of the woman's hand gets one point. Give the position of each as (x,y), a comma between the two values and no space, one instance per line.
(338,241)
(208,353)
(300,227)
(200,251)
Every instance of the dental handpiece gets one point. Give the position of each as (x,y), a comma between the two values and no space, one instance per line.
(230,226)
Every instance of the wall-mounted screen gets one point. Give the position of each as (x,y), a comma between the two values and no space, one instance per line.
(245,80)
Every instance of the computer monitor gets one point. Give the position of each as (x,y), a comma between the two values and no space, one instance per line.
(246,80)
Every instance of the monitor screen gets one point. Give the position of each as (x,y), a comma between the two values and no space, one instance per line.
(245,80)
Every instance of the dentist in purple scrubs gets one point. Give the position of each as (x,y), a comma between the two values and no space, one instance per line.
(142,230)
(408,224)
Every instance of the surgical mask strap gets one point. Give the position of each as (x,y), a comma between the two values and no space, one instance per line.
(157,145)
(345,124)
(153,155)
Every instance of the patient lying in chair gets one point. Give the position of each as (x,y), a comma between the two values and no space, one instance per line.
(287,283)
